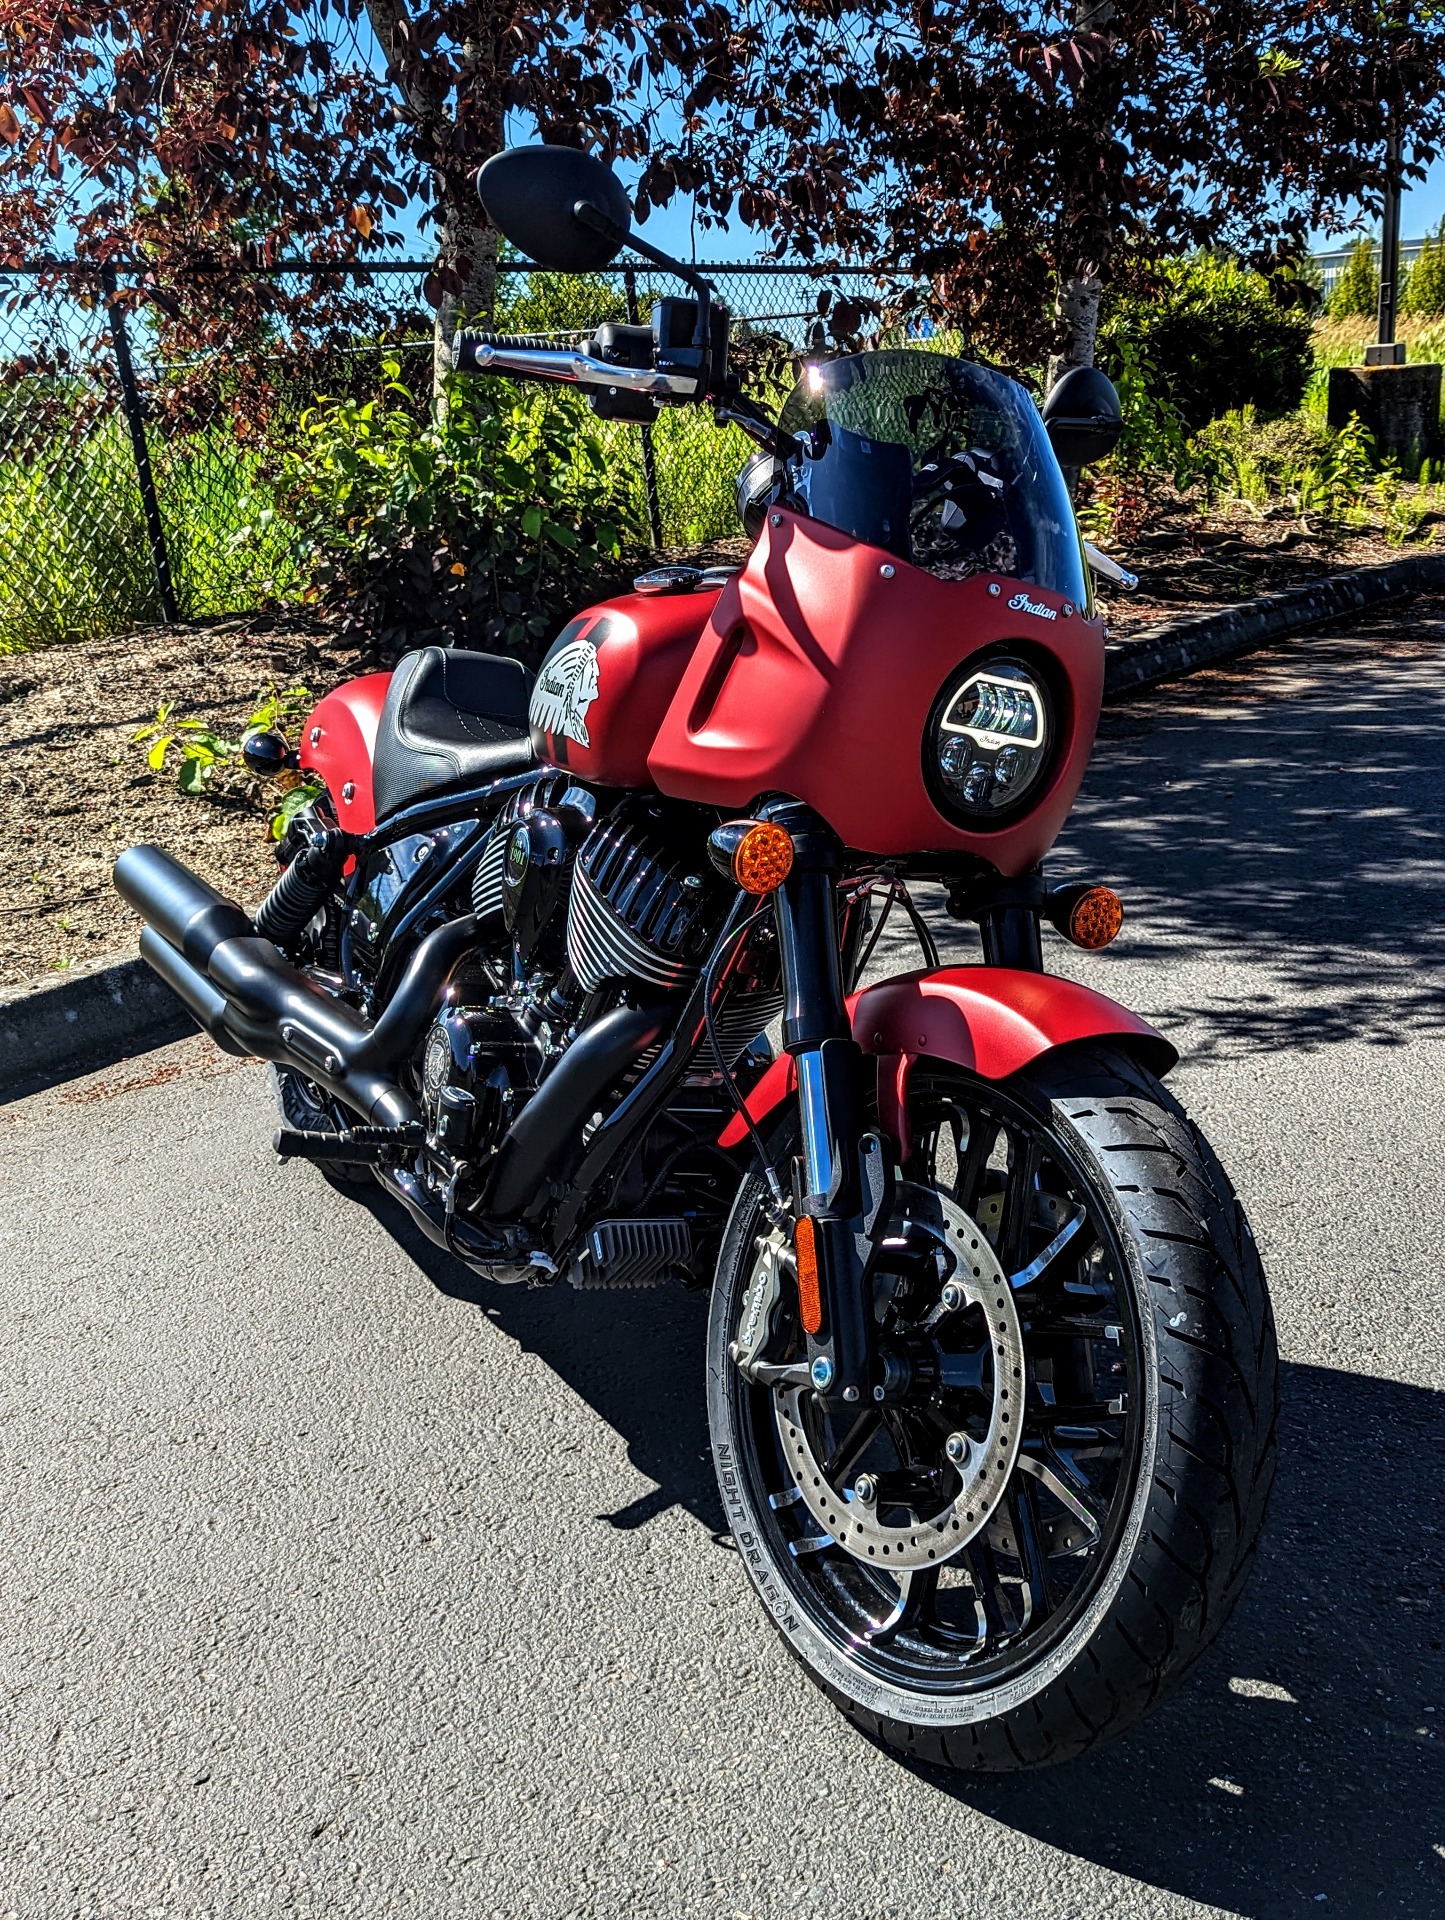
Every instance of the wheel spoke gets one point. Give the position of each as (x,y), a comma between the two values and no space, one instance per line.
(1018,1207)
(1026,1276)
(1068,1490)
(917,1587)
(998,1613)
(1024,1512)
(853,1444)
(981,1136)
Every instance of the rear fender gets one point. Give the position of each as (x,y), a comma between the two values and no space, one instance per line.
(992,1020)
(338,743)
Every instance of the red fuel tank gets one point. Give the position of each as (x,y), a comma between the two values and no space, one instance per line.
(608,679)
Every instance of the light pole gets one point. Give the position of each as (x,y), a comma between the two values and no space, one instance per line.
(1388,351)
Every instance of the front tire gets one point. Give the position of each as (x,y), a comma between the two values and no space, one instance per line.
(1136,1492)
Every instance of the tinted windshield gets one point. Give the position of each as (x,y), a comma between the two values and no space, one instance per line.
(941,462)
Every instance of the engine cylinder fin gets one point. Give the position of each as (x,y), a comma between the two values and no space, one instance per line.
(637,910)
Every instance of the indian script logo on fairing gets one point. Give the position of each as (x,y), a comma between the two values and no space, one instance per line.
(565,689)
(1021,603)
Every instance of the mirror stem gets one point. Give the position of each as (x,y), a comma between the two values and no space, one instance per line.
(593,217)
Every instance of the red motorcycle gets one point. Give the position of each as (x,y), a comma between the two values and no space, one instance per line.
(990,1360)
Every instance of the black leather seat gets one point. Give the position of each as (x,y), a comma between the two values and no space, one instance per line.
(451,719)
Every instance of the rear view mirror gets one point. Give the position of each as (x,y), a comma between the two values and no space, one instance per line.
(1082,417)
(561,207)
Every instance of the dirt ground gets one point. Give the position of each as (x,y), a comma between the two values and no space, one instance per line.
(1189,563)
(75,791)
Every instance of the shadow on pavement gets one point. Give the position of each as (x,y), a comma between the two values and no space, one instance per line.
(1299,1759)
(1294,809)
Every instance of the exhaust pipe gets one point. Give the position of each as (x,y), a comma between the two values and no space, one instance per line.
(243,992)
(251,1000)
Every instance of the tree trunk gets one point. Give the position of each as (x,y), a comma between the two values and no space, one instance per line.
(1076,308)
(1086,222)
(466,244)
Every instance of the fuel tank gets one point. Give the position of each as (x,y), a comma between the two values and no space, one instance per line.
(608,679)
(820,671)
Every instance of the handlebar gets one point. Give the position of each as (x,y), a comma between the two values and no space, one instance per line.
(536,358)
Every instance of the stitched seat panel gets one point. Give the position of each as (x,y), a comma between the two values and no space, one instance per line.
(452,719)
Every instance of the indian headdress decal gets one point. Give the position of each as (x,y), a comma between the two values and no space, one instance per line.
(567,685)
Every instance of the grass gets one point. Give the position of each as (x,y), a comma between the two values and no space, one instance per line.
(1341,343)
(75,558)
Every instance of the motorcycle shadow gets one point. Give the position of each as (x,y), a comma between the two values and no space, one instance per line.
(635,1355)
(1301,1766)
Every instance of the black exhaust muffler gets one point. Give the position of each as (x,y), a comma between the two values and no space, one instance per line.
(243,992)
(250,999)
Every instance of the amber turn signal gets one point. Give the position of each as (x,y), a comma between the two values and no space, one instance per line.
(755,854)
(810,1299)
(1087,916)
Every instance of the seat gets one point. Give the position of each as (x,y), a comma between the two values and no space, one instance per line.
(451,719)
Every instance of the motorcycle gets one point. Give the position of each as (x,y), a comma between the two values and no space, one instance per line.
(576,967)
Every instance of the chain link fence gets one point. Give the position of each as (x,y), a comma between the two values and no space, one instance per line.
(139,485)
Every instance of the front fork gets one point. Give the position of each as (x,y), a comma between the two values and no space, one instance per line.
(844,1183)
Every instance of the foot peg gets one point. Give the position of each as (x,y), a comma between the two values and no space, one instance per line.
(633,1253)
(365,1146)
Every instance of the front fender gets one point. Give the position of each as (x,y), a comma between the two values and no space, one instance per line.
(991,1020)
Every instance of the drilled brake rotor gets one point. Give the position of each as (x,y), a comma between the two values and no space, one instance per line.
(927,1539)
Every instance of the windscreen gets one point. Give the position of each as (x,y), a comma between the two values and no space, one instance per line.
(938,461)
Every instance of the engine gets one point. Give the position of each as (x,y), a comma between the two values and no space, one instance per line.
(591,904)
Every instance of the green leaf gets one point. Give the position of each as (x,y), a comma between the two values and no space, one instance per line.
(192,777)
(532,522)
(156,758)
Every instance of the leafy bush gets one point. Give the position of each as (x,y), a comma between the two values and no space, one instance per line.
(474,528)
(210,762)
(1214,339)
(1424,294)
(1357,290)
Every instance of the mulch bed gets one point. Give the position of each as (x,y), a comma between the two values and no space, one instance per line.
(1191,563)
(74,791)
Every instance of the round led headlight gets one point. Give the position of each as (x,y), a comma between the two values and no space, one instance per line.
(991,739)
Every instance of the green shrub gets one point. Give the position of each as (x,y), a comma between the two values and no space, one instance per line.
(1215,339)
(483,527)
(1424,294)
(1357,290)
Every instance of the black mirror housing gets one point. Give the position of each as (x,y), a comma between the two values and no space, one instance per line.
(1082,417)
(561,207)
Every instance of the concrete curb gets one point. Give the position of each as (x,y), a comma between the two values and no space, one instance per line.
(1178,647)
(77,1022)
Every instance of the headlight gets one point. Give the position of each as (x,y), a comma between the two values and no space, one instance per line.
(991,740)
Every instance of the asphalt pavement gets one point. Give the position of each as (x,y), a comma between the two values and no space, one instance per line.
(335,1583)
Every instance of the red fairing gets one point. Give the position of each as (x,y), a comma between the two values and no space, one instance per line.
(608,679)
(816,675)
(992,1020)
(337,744)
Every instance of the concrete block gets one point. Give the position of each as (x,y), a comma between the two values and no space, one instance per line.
(1399,405)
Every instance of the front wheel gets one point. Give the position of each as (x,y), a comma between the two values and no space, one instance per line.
(1022,1546)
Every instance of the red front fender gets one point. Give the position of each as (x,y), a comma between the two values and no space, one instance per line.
(992,1020)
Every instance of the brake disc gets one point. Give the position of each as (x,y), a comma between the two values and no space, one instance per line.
(927,1539)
